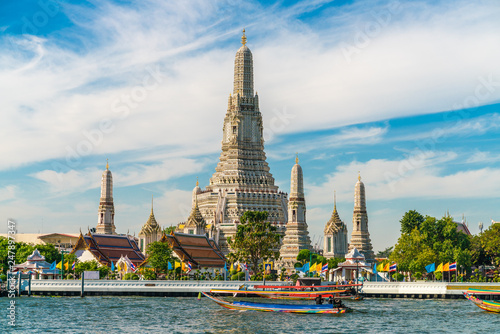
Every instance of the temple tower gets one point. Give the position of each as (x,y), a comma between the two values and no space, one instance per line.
(242,181)
(360,237)
(106,212)
(296,235)
(335,240)
(150,232)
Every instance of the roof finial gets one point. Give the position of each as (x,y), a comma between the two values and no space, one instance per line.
(197,183)
(151,203)
(107,164)
(243,38)
(334,200)
(359,175)
(296,157)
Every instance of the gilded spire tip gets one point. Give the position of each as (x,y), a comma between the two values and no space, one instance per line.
(359,176)
(197,183)
(151,203)
(296,157)
(107,164)
(244,38)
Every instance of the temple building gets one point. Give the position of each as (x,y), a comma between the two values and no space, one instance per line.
(107,248)
(106,212)
(150,232)
(354,267)
(36,266)
(296,235)
(360,237)
(242,181)
(195,223)
(335,238)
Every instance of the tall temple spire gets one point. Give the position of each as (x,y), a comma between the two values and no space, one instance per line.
(106,212)
(243,70)
(360,237)
(334,200)
(151,203)
(242,180)
(150,232)
(296,235)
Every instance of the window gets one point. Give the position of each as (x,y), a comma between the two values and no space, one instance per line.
(234,130)
(329,244)
(191,231)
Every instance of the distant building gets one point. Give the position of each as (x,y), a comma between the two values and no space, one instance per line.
(150,232)
(360,237)
(296,235)
(106,212)
(64,241)
(36,266)
(353,267)
(335,235)
(107,248)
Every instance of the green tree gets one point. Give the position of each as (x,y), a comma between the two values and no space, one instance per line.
(169,230)
(385,253)
(334,262)
(159,254)
(304,256)
(411,253)
(255,240)
(490,241)
(410,221)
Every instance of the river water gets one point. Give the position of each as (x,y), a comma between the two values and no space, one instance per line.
(189,315)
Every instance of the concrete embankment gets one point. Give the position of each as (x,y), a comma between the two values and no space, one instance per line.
(423,290)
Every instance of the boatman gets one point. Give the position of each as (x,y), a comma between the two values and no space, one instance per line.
(319,300)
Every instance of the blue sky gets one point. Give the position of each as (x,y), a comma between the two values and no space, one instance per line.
(407,93)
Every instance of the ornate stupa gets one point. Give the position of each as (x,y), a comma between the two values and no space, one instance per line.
(242,181)
(150,232)
(335,240)
(106,211)
(360,237)
(296,235)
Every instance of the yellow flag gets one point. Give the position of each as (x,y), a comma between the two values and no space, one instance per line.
(66,265)
(439,268)
(446,267)
(318,266)
(380,267)
(177,264)
(59,265)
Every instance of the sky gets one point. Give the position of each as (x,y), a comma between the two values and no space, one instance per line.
(405,92)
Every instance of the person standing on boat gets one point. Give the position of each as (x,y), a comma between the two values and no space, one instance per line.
(319,300)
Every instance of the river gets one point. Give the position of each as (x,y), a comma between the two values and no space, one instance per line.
(189,315)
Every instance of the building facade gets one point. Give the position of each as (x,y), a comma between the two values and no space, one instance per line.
(335,235)
(150,232)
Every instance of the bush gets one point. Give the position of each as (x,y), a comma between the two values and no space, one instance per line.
(417,275)
(131,276)
(233,271)
(3,277)
(398,277)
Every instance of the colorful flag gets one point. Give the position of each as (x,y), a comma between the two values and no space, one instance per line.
(177,264)
(393,267)
(244,266)
(439,268)
(446,267)
(374,268)
(73,265)
(430,267)
(53,266)
(133,267)
(66,265)
(170,266)
(304,268)
(380,267)
(225,266)
(112,266)
(183,268)
(59,265)
(386,267)
(453,266)
(190,267)
(324,269)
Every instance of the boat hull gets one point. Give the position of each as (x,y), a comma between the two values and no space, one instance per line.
(487,305)
(263,307)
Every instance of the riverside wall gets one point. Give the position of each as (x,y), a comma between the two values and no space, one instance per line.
(423,290)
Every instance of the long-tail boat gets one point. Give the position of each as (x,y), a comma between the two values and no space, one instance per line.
(487,305)
(287,308)
(295,292)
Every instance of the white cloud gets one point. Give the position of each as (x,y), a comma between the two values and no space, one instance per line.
(8,193)
(300,67)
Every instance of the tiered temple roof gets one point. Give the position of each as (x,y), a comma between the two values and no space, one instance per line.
(107,247)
